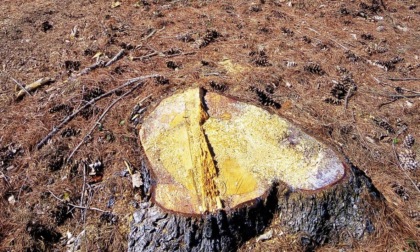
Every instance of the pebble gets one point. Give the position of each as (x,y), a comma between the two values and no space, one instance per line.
(266,236)
(11,200)
(380,28)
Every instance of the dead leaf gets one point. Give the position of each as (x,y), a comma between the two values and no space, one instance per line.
(11,200)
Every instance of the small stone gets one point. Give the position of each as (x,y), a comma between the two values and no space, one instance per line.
(402,28)
(409,104)
(380,28)
(136,180)
(12,200)
(266,236)
(408,160)
(10,168)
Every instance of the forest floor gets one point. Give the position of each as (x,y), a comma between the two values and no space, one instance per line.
(347,72)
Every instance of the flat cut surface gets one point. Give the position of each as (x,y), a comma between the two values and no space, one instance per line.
(229,153)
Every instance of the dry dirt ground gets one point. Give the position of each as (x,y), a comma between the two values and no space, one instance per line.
(345,71)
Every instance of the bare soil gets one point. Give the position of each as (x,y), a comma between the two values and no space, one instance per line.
(347,72)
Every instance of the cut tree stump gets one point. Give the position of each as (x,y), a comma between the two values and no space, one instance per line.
(218,171)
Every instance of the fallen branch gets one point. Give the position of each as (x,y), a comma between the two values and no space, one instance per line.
(384,83)
(101,63)
(388,102)
(33,86)
(348,95)
(92,101)
(77,206)
(88,69)
(145,56)
(398,96)
(118,56)
(152,33)
(404,79)
(101,118)
(179,54)
(161,54)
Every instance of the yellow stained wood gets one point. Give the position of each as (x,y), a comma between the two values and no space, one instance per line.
(229,154)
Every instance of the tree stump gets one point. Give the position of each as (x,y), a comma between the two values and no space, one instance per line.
(219,171)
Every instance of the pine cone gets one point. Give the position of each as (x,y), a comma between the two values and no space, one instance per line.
(409,141)
(408,160)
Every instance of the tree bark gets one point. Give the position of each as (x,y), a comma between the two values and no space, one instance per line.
(339,213)
(216,172)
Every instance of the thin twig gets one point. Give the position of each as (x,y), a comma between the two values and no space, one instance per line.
(348,95)
(97,64)
(400,96)
(71,116)
(362,139)
(404,79)
(345,48)
(161,54)
(145,56)
(152,33)
(179,54)
(77,206)
(395,87)
(118,56)
(395,97)
(388,102)
(101,63)
(5,178)
(21,188)
(21,86)
(100,119)
(82,196)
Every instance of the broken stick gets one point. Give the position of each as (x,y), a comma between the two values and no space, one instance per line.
(33,86)
(72,115)
(101,63)
(77,206)
(118,56)
(404,79)
(102,117)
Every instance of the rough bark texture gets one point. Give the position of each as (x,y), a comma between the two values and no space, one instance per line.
(343,211)
(340,213)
